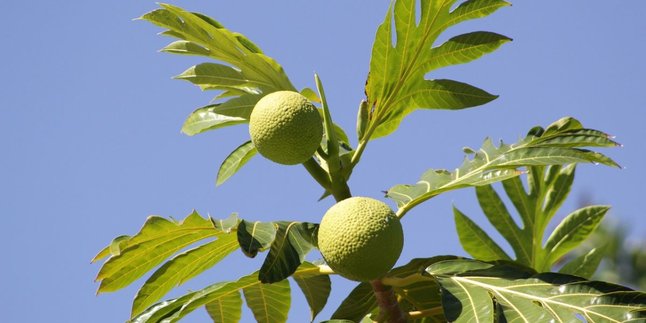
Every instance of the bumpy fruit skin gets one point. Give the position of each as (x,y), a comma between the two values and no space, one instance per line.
(360,238)
(285,127)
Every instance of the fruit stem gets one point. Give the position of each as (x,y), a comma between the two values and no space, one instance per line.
(318,173)
(389,310)
(338,185)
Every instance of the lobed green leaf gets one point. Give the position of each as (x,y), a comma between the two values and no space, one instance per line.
(157,240)
(477,291)
(397,85)
(182,268)
(246,74)
(268,302)
(492,164)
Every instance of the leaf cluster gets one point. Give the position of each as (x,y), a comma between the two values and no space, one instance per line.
(182,250)
(494,287)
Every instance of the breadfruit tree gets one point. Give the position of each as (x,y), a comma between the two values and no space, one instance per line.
(361,238)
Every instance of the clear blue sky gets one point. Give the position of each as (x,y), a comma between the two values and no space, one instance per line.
(90,142)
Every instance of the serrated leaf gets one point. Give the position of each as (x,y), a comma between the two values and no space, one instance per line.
(585,264)
(246,70)
(232,164)
(315,286)
(227,309)
(476,241)
(157,240)
(357,304)
(268,302)
(223,45)
(471,288)
(397,86)
(492,164)
(182,268)
(255,236)
(292,242)
(573,230)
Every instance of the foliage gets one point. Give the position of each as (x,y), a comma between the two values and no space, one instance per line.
(622,261)
(494,287)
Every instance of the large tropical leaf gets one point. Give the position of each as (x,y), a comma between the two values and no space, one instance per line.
(397,85)
(474,291)
(182,268)
(549,187)
(157,240)
(560,143)
(268,302)
(246,74)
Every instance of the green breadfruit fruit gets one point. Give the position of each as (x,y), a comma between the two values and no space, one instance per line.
(285,127)
(360,238)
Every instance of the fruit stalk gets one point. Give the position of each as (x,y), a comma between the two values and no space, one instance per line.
(386,300)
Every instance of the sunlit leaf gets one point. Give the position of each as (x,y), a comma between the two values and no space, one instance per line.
(559,181)
(246,70)
(473,291)
(226,309)
(212,76)
(238,158)
(476,241)
(183,267)
(575,228)
(184,47)
(463,49)
(157,240)
(268,302)
(208,118)
(397,85)
(496,163)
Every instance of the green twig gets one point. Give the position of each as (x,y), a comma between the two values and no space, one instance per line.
(318,173)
